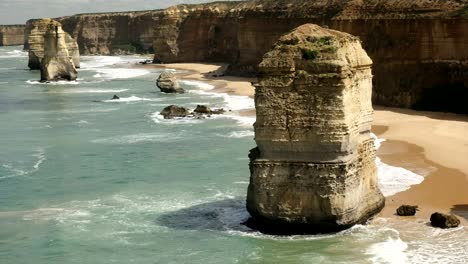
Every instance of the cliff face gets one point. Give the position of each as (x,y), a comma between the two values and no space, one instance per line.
(314,167)
(112,33)
(35,31)
(417,46)
(11,35)
(56,63)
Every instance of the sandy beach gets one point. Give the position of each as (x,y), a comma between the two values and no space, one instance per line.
(430,144)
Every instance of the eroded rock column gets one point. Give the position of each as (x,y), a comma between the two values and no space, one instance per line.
(56,63)
(35,33)
(313,169)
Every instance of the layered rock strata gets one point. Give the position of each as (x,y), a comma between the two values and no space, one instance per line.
(35,32)
(11,35)
(314,167)
(56,63)
(418,47)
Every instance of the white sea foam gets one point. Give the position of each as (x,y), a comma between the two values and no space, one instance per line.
(132,99)
(53,83)
(246,121)
(239,134)
(391,251)
(40,156)
(393,179)
(91,62)
(119,73)
(197,84)
(14,54)
(86,90)
(137,138)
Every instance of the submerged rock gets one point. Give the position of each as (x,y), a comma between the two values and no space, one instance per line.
(56,63)
(314,169)
(444,220)
(167,83)
(407,210)
(173,111)
(35,31)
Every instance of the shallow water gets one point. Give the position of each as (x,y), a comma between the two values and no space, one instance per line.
(85,179)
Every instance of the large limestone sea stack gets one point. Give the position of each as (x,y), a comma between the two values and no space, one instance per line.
(314,167)
(35,32)
(57,64)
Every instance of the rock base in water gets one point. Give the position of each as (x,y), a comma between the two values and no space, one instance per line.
(444,220)
(174,111)
(167,83)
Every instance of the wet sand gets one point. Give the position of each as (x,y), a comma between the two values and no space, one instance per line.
(434,145)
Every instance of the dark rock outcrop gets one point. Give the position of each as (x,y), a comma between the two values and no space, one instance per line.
(56,63)
(173,111)
(11,35)
(115,97)
(407,210)
(167,83)
(314,168)
(205,110)
(444,221)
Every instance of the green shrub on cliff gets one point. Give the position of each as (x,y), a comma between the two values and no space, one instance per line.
(308,54)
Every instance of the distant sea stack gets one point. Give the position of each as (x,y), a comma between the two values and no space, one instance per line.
(56,63)
(35,32)
(11,35)
(314,168)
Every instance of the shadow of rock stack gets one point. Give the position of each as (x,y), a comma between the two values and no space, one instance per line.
(314,168)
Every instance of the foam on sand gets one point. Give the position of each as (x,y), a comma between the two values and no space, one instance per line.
(393,179)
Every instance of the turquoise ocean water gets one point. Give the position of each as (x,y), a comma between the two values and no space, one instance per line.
(84,179)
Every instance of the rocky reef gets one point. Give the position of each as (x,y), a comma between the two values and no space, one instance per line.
(34,41)
(11,35)
(314,166)
(56,62)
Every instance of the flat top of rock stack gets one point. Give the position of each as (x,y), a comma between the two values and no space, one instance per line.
(309,45)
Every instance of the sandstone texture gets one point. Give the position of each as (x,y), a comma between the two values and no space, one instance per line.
(56,63)
(167,83)
(314,167)
(444,220)
(35,37)
(11,35)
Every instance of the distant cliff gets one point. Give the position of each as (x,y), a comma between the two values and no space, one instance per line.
(109,33)
(11,35)
(418,47)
